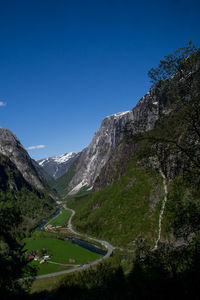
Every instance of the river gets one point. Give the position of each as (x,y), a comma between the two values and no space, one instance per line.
(76,241)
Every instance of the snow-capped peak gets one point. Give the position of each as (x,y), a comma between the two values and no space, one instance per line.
(63,158)
(58,159)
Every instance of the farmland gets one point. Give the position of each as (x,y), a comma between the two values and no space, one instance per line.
(61,219)
(62,252)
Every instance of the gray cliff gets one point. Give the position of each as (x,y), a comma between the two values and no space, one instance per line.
(113,129)
(11,147)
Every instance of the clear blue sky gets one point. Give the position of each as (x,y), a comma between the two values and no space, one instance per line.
(67,64)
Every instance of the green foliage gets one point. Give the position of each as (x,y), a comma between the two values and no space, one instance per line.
(22,207)
(182,216)
(123,212)
(105,282)
(12,261)
(162,274)
(60,250)
(172,63)
(167,273)
(47,268)
(32,206)
(61,184)
(61,219)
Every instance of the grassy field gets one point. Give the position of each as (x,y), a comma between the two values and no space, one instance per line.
(48,268)
(61,219)
(61,252)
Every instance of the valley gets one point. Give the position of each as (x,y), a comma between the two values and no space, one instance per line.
(121,217)
(64,250)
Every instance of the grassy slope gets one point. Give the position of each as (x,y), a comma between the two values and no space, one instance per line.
(61,219)
(182,213)
(46,284)
(61,184)
(123,212)
(34,205)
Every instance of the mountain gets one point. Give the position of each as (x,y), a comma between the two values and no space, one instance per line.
(56,166)
(25,201)
(142,118)
(10,177)
(11,147)
(113,129)
(61,185)
(21,183)
(148,188)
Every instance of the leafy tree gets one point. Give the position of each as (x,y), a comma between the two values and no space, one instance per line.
(12,259)
(173,64)
(176,85)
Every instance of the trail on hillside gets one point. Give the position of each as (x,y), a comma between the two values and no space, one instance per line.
(162,209)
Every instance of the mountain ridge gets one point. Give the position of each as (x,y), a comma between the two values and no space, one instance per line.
(113,129)
(11,147)
(56,166)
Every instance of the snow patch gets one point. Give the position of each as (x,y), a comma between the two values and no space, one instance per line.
(119,115)
(63,158)
(77,187)
(42,162)
(58,159)
(90,188)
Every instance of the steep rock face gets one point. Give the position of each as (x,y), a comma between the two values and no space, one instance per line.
(10,177)
(57,166)
(117,164)
(11,147)
(113,129)
(173,103)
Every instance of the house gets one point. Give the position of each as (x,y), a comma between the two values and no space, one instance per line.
(32,255)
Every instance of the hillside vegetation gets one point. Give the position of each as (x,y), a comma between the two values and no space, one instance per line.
(61,184)
(123,212)
(33,205)
(125,205)
(128,206)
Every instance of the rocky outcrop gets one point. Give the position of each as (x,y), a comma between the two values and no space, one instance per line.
(117,164)
(11,147)
(113,129)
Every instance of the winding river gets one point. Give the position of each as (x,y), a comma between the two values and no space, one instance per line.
(87,245)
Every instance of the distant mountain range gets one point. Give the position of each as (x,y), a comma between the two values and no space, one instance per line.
(92,159)
(56,166)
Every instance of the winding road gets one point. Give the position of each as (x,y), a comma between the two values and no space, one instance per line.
(108,246)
